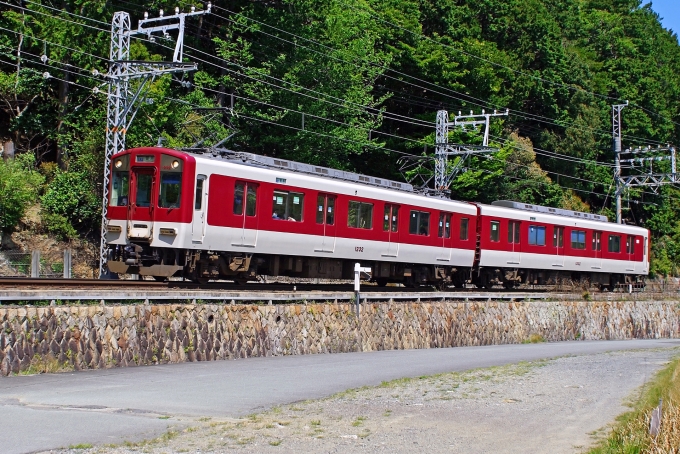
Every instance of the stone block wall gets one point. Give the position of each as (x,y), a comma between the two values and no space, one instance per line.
(95,337)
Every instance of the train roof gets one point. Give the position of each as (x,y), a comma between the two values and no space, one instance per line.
(550,210)
(299,167)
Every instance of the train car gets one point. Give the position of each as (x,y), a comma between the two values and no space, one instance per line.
(522,243)
(238,216)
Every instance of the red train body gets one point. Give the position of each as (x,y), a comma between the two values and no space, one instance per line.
(239,216)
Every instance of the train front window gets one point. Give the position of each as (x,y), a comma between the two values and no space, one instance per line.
(120,188)
(171,185)
(144,185)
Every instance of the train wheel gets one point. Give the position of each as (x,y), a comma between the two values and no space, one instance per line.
(381,281)
(160,278)
(201,280)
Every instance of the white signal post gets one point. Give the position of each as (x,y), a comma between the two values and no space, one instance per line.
(358,269)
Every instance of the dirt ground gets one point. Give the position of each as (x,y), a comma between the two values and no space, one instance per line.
(556,406)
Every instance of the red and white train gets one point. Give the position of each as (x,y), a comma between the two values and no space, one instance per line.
(236,216)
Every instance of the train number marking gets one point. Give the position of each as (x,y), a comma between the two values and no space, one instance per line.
(358,249)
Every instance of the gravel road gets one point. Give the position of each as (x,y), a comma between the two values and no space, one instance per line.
(558,406)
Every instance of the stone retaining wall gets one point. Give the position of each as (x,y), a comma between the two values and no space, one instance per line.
(95,337)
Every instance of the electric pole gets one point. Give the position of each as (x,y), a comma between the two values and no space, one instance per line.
(123,102)
(616,147)
(442,176)
(652,178)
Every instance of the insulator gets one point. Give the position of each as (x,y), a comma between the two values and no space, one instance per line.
(160,13)
(43,58)
(176,10)
(146,15)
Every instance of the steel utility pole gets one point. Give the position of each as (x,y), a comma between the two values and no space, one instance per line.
(442,178)
(123,102)
(616,147)
(647,156)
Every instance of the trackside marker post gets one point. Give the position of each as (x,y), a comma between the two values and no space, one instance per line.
(358,269)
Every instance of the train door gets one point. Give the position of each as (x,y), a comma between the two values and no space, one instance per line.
(630,253)
(444,236)
(325,215)
(597,250)
(245,208)
(515,255)
(558,244)
(200,204)
(141,206)
(391,226)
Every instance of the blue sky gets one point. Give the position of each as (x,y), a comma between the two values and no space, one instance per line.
(669,10)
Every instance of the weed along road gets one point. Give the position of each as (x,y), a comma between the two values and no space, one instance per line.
(43,412)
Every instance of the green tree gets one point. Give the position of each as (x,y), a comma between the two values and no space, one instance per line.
(19,185)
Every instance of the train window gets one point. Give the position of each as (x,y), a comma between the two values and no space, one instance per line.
(120,187)
(171,188)
(536,235)
(287,206)
(495,231)
(558,237)
(444,225)
(251,199)
(325,204)
(464,229)
(143,193)
(198,201)
(391,218)
(630,245)
(419,223)
(513,232)
(360,215)
(578,239)
(614,243)
(597,243)
(250,190)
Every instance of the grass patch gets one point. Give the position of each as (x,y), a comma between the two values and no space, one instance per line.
(359,421)
(47,364)
(631,432)
(275,442)
(534,339)
(81,446)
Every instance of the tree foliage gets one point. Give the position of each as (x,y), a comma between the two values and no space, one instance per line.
(19,184)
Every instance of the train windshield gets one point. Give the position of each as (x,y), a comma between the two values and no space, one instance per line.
(171,186)
(170,190)
(120,182)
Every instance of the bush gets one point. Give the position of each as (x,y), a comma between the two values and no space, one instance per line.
(59,226)
(19,184)
(70,198)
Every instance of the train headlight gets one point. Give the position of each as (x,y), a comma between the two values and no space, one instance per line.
(175,164)
(118,164)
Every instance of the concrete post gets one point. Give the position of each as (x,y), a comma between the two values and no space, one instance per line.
(67,264)
(35,264)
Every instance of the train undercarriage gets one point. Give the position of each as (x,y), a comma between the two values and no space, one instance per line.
(203,266)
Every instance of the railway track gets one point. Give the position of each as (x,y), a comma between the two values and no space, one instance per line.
(27,290)
(22,283)
(17,290)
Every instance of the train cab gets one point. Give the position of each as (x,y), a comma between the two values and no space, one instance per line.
(149,204)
